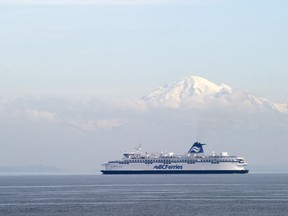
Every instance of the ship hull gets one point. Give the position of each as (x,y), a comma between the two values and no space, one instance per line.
(125,172)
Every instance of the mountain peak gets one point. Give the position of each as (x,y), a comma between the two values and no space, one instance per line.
(188,86)
(202,86)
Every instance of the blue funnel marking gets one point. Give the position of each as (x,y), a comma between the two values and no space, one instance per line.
(196,148)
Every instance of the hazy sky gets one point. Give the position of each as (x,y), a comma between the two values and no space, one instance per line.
(103,54)
(128,47)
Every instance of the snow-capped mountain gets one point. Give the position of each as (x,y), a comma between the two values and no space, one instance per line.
(195,91)
(187,87)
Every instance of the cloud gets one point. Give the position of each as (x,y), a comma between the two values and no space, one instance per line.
(95,125)
(136,105)
(95,114)
(39,115)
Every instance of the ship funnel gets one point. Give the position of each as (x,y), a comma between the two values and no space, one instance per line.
(196,148)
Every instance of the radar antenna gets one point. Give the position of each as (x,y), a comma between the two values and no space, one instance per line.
(138,148)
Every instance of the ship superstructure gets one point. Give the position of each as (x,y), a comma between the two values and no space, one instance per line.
(194,161)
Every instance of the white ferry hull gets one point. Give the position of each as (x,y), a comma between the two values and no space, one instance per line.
(175,168)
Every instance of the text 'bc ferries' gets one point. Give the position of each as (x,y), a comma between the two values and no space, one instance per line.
(193,162)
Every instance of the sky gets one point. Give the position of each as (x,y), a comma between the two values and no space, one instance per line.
(108,47)
(57,56)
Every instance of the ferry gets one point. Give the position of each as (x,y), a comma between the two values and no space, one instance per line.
(192,162)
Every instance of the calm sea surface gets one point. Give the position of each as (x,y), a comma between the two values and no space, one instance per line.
(250,194)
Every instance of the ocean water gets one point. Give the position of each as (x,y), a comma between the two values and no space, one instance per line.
(250,194)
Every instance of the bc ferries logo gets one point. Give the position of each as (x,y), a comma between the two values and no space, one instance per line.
(168,166)
(196,148)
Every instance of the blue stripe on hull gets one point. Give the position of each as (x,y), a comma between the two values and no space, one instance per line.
(174,172)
